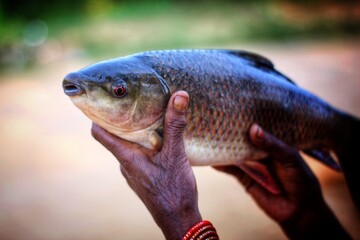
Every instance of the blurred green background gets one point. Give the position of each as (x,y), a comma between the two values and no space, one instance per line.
(58,183)
(40,31)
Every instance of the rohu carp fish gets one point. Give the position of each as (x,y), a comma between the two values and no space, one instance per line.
(229,90)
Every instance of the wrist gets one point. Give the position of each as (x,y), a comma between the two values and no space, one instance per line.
(174,225)
(315,223)
(201,230)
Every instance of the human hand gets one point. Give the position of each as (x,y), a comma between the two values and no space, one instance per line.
(164,181)
(299,208)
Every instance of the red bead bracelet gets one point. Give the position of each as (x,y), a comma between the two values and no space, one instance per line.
(203,230)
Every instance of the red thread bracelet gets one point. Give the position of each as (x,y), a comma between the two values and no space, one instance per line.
(201,231)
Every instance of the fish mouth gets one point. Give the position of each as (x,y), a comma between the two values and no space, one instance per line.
(71,85)
(71,89)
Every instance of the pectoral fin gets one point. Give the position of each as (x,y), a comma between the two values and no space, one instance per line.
(260,173)
(156,141)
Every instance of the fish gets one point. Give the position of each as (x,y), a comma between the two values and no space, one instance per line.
(229,90)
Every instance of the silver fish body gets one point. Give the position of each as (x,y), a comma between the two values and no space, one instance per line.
(229,91)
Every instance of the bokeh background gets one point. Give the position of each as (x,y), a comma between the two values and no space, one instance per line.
(56,182)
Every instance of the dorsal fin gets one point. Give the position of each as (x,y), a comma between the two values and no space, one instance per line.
(258,61)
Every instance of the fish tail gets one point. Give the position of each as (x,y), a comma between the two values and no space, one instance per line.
(347,150)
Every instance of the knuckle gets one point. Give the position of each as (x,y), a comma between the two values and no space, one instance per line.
(172,161)
(273,145)
(289,152)
(248,185)
(290,158)
(114,149)
(94,134)
(246,181)
(274,149)
(122,158)
(176,124)
(126,167)
(123,171)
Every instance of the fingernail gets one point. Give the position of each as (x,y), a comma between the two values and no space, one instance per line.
(180,103)
(259,133)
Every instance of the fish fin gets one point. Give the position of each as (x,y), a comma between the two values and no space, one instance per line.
(256,59)
(164,85)
(347,150)
(261,174)
(156,141)
(160,131)
(324,157)
(159,80)
(259,62)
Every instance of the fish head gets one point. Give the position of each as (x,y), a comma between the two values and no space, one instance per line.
(121,95)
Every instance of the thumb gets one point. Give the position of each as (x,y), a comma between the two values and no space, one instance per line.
(175,121)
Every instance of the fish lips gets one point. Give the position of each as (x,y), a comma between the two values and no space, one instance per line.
(72,85)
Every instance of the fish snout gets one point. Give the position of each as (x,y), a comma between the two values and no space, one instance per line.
(71,85)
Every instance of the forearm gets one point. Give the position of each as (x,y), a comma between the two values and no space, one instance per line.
(319,223)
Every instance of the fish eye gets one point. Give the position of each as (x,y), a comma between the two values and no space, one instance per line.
(119,89)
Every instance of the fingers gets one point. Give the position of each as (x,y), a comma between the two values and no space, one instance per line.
(175,122)
(232,170)
(264,140)
(276,148)
(250,185)
(291,169)
(120,148)
(237,173)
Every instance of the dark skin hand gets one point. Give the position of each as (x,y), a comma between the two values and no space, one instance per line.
(300,208)
(163,180)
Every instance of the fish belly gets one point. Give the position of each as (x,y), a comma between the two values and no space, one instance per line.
(211,152)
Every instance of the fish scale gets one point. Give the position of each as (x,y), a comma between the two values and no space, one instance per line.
(229,91)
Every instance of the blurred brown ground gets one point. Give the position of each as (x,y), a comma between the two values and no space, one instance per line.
(56,182)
